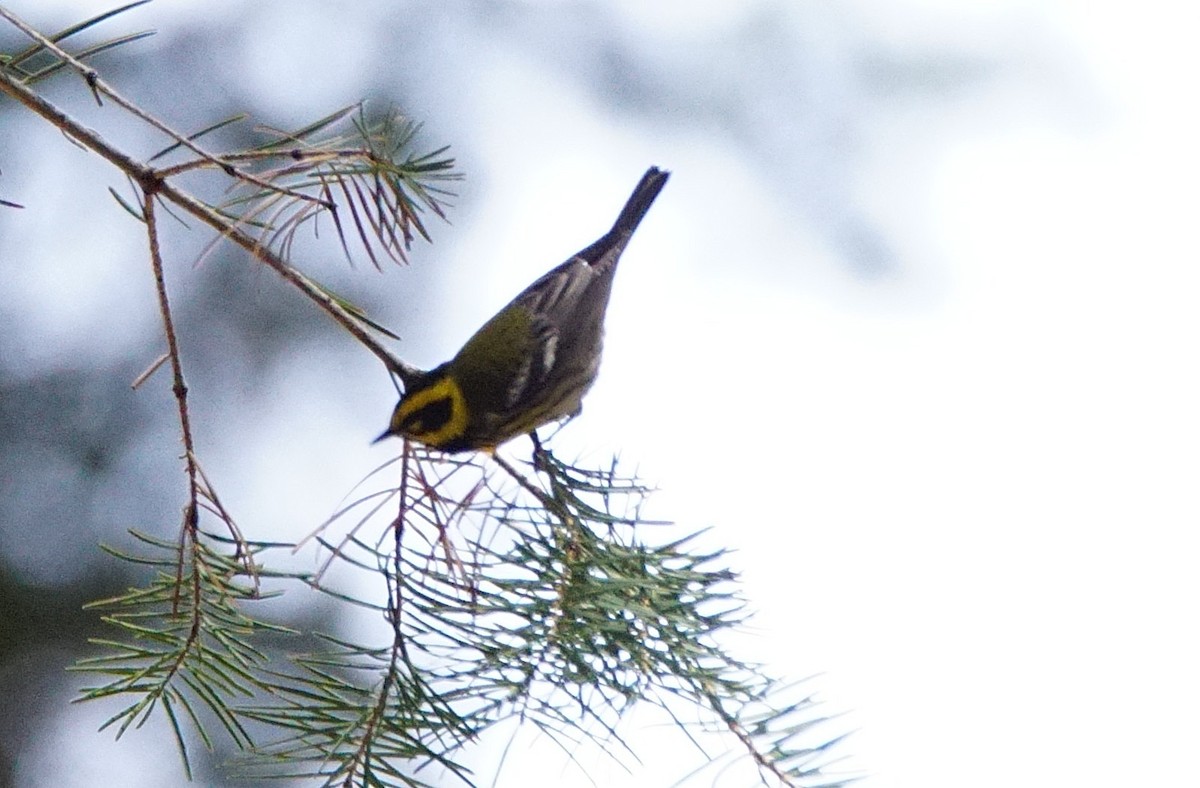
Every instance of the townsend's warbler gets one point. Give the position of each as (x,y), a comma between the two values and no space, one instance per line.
(532,363)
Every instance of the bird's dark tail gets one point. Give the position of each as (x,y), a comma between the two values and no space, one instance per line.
(613,243)
(640,201)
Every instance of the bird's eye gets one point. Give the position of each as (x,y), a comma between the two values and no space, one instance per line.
(428,418)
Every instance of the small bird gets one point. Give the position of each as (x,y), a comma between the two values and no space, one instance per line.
(534,360)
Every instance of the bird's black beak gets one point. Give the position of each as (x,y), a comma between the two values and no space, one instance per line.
(386,434)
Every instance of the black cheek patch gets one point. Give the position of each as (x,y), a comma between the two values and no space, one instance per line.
(430,418)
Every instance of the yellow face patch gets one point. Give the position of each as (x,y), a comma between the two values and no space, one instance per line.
(435,415)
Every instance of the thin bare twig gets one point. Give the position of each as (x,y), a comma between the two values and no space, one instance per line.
(150,370)
(191,517)
(296,154)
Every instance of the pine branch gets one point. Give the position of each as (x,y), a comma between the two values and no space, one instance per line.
(377,173)
(179,651)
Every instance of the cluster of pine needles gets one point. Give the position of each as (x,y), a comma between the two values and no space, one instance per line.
(499,591)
